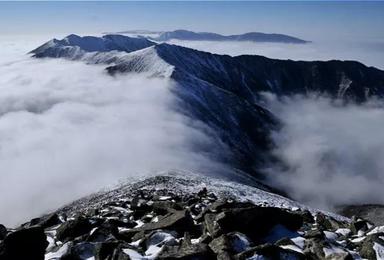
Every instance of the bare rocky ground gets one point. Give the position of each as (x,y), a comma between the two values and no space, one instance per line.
(168,217)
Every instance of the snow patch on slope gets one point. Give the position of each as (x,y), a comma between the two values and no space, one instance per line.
(188,182)
(146,60)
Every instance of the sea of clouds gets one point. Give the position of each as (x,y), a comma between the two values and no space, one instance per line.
(331,153)
(68,129)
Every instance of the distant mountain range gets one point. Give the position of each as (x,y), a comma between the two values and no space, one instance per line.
(208,36)
(222,91)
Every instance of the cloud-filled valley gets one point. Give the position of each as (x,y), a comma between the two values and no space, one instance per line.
(68,129)
(331,153)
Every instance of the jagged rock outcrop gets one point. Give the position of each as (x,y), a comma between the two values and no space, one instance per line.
(174,223)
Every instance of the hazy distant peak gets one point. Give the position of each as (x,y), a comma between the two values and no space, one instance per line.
(208,36)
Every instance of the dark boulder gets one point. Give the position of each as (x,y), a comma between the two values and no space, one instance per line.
(203,192)
(211,225)
(316,248)
(165,207)
(159,238)
(313,248)
(46,221)
(103,232)
(130,235)
(178,221)
(120,223)
(285,242)
(120,255)
(73,228)
(255,222)
(187,251)
(270,252)
(105,250)
(231,243)
(3,232)
(50,220)
(140,207)
(366,249)
(28,243)
(328,223)
(315,233)
(220,205)
(307,216)
(80,251)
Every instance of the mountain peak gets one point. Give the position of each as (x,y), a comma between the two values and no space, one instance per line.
(181,34)
(75,46)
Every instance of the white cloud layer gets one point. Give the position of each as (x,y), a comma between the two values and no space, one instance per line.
(333,154)
(68,129)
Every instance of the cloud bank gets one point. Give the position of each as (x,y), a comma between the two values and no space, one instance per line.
(331,153)
(68,129)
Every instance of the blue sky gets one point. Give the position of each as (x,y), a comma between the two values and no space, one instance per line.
(310,20)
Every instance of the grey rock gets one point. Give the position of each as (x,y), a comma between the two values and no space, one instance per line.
(313,248)
(211,225)
(178,221)
(80,251)
(230,243)
(328,223)
(103,232)
(165,207)
(255,222)
(318,234)
(45,221)
(366,249)
(187,251)
(73,228)
(270,252)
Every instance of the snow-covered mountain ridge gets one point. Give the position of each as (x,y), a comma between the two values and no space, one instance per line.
(224,91)
(75,47)
(245,75)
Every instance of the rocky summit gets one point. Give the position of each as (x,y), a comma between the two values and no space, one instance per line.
(158,218)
